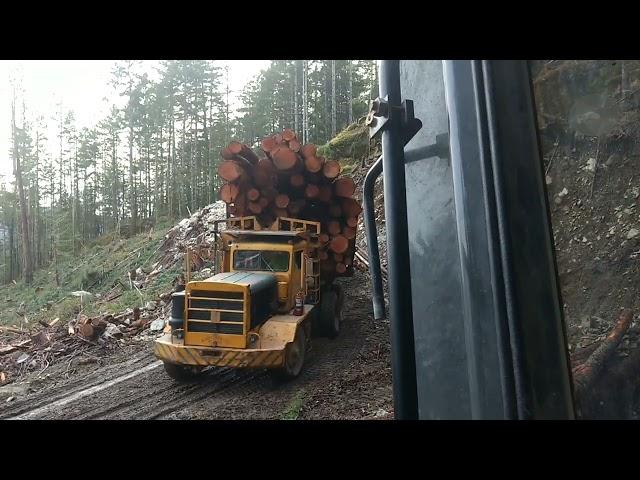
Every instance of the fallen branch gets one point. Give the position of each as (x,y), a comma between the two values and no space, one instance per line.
(585,374)
(12,330)
(12,348)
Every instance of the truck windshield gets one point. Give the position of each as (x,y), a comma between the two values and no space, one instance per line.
(262,260)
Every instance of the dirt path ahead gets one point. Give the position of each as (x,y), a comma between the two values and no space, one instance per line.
(345,378)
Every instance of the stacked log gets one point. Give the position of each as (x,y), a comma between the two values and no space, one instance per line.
(292,180)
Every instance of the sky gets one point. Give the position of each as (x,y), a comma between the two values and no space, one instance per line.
(81,86)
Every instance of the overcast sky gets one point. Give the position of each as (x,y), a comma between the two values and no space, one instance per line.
(81,86)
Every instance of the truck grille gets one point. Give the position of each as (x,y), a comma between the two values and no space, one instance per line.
(209,327)
(208,308)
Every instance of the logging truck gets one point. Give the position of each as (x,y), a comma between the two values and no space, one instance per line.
(262,309)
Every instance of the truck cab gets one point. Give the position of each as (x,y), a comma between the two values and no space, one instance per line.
(244,316)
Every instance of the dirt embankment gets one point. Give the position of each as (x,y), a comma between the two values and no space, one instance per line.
(589,116)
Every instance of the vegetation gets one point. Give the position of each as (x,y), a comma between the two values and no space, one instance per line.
(153,158)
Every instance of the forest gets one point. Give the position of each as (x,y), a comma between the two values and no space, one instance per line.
(153,158)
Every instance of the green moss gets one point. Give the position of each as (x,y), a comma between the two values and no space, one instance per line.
(349,146)
(295,407)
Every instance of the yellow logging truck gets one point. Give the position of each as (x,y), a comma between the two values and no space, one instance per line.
(246,316)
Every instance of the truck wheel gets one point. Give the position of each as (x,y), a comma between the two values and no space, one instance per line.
(181,372)
(330,316)
(294,355)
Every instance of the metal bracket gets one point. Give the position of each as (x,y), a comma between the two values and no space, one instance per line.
(380,112)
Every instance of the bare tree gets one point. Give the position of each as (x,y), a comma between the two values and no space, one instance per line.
(17,171)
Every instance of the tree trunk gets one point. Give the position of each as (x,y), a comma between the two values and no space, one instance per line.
(305,114)
(17,171)
(350,93)
(333,98)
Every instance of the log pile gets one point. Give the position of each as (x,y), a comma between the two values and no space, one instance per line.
(291,180)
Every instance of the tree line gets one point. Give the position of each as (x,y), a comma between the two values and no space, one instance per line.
(153,157)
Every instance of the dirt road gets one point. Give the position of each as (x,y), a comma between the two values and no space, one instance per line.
(345,378)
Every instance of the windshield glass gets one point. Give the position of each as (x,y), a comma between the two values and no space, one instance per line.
(265,260)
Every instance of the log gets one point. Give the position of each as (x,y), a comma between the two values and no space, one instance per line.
(323,238)
(325,194)
(296,206)
(335,210)
(349,233)
(227,154)
(280,212)
(268,143)
(295,145)
(284,158)
(253,194)
(269,193)
(338,257)
(309,150)
(282,201)
(339,244)
(87,330)
(297,180)
(312,191)
(352,221)
(12,348)
(230,171)
(331,169)
(341,267)
(98,323)
(262,178)
(288,135)
(350,207)
(266,165)
(334,228)
(313,164)
(255,208)
(11,329)
(228,193)
(244,151)
(585,374)
(344,187)
(240,205)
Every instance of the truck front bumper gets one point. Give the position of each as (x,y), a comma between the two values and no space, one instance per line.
(173,350)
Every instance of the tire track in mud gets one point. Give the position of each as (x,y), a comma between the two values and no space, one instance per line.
(75,385)
(172,396)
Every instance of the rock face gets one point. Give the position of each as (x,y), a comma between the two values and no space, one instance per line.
(589,116)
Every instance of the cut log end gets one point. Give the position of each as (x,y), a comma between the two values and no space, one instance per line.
(288,135)
(331,169)
(297,180)
(284,158)
(339,244)
(230,171)
(312,191)
(344,187)
(282,201)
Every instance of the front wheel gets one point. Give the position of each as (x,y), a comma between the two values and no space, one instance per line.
(294,356)
(181,373)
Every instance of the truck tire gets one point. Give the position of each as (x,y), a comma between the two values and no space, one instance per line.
(294,356)
(330,314)
(181,373)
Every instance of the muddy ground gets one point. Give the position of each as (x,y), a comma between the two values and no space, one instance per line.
(345,378)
